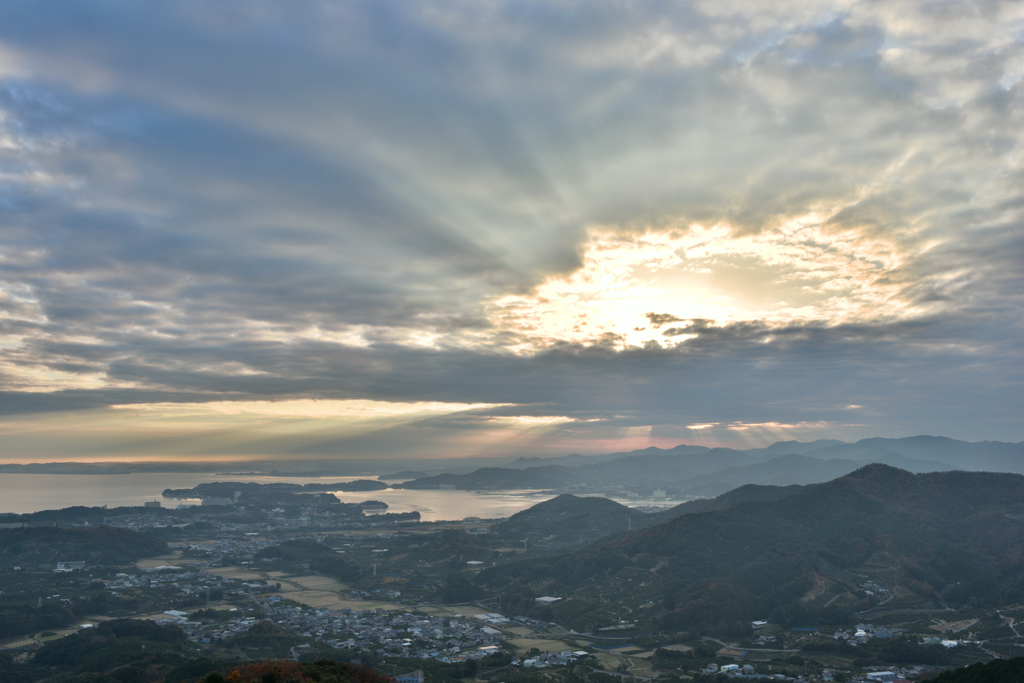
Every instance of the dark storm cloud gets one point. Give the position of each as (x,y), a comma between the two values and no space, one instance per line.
(265,200)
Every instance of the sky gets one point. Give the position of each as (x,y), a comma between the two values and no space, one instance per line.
(380,228)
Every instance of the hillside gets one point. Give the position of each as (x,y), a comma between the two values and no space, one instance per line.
(725,501)
(95,545)
(568,519)
(801,469)
(999,671)
(924,540)
(137,650)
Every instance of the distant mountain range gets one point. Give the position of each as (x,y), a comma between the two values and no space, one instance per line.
(873,540)
(691,471)
(683,472)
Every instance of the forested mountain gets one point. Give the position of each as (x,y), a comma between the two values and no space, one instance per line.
(569,519)
(878,536)
(740,494)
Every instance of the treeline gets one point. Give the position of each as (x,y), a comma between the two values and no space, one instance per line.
(457,589)
(122,650)
(95,545)
(999,671)
(17,620)
(881,651)
(282,670)
(93,647)
(321,558)
(8,674)
(440,672)
(337,568)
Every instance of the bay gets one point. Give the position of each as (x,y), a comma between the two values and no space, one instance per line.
(22,493)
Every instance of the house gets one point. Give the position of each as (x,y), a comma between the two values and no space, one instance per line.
(881,676)
(70,566)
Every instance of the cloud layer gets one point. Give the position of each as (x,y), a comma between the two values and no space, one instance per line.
(590,225)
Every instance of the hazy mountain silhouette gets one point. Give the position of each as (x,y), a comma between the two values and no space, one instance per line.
(699,471)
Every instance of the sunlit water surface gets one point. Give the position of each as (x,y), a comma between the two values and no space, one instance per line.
(33,492)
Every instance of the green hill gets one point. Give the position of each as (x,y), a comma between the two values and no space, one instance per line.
(95,545)
(567,519)
(925,540)
(725,501)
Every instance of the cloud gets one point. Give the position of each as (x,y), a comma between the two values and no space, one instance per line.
(659,319)
(681,213)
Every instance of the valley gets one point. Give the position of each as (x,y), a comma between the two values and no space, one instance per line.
(877,568)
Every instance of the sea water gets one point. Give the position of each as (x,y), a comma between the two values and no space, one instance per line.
(22,493)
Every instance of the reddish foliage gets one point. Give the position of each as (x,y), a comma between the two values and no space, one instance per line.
(250,673)
(283,670)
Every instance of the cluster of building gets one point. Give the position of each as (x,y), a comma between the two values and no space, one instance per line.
(547,659)
(878,675)
(245,545)
(534,624)
(198,632)
(862,633)
(492,619)
(871,588)
(275,520)
(730,669)
(893,675)
(387,634)
(947,643)
(189,582)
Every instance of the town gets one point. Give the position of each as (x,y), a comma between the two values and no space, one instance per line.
(301,583)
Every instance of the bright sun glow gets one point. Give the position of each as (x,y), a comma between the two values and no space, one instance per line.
(634,289)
